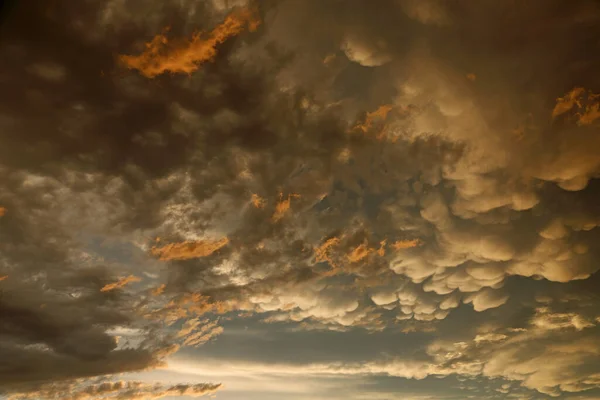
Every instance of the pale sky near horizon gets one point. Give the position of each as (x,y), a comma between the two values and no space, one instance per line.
(300,200)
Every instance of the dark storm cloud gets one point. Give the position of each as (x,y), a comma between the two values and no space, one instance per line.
(340,165)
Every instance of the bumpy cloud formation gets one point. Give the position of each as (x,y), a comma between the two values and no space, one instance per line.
(417,171)
(543,356)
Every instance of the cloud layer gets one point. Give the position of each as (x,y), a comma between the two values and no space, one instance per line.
(380,167)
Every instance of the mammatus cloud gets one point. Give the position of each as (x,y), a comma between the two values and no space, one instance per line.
(417,179)
(523,356)
(184,56)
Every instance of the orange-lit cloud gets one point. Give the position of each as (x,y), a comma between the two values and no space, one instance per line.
(120,283)
(159,290)
(359,253)
(185,56)
(329,59)
(196,332)
(283,206)
(592,113)
(187,305)
(565,104)
(2,211)
(588,107)
(323,252)
(363,251)
(378,115)
(406,244)
(472,77)
(381,250)
(258,201)
(188,250)
(3,277)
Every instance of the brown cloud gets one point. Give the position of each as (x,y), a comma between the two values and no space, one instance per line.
(2,211)
(188,250)
(179,159)
(122,282)
(186,57)
(3,277)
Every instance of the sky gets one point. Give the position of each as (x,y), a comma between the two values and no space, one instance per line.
(300,200)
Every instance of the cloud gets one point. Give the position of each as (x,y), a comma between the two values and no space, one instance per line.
(587,104)
(122,282)
(117,390)
(414,194)
(282,207)
(188,250)
(566,103)
(186,57)
(486,299)
(257,201)
(522,356)
(365,54)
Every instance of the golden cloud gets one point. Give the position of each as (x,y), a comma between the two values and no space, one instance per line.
(592,113)
(283,206)
(378,115)
(185,56)
(188,250)
(565,104)
(359,253)
(588,106)
(159,290)
(258,201)
(2,211)
(406,244)
(322,252)
(120,283)
(363,251)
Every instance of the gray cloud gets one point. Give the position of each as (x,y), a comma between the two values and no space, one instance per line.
(408,156)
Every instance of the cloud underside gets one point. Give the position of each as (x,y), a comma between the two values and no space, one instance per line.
(417,170)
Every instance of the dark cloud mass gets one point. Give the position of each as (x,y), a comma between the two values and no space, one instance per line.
(300,199)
